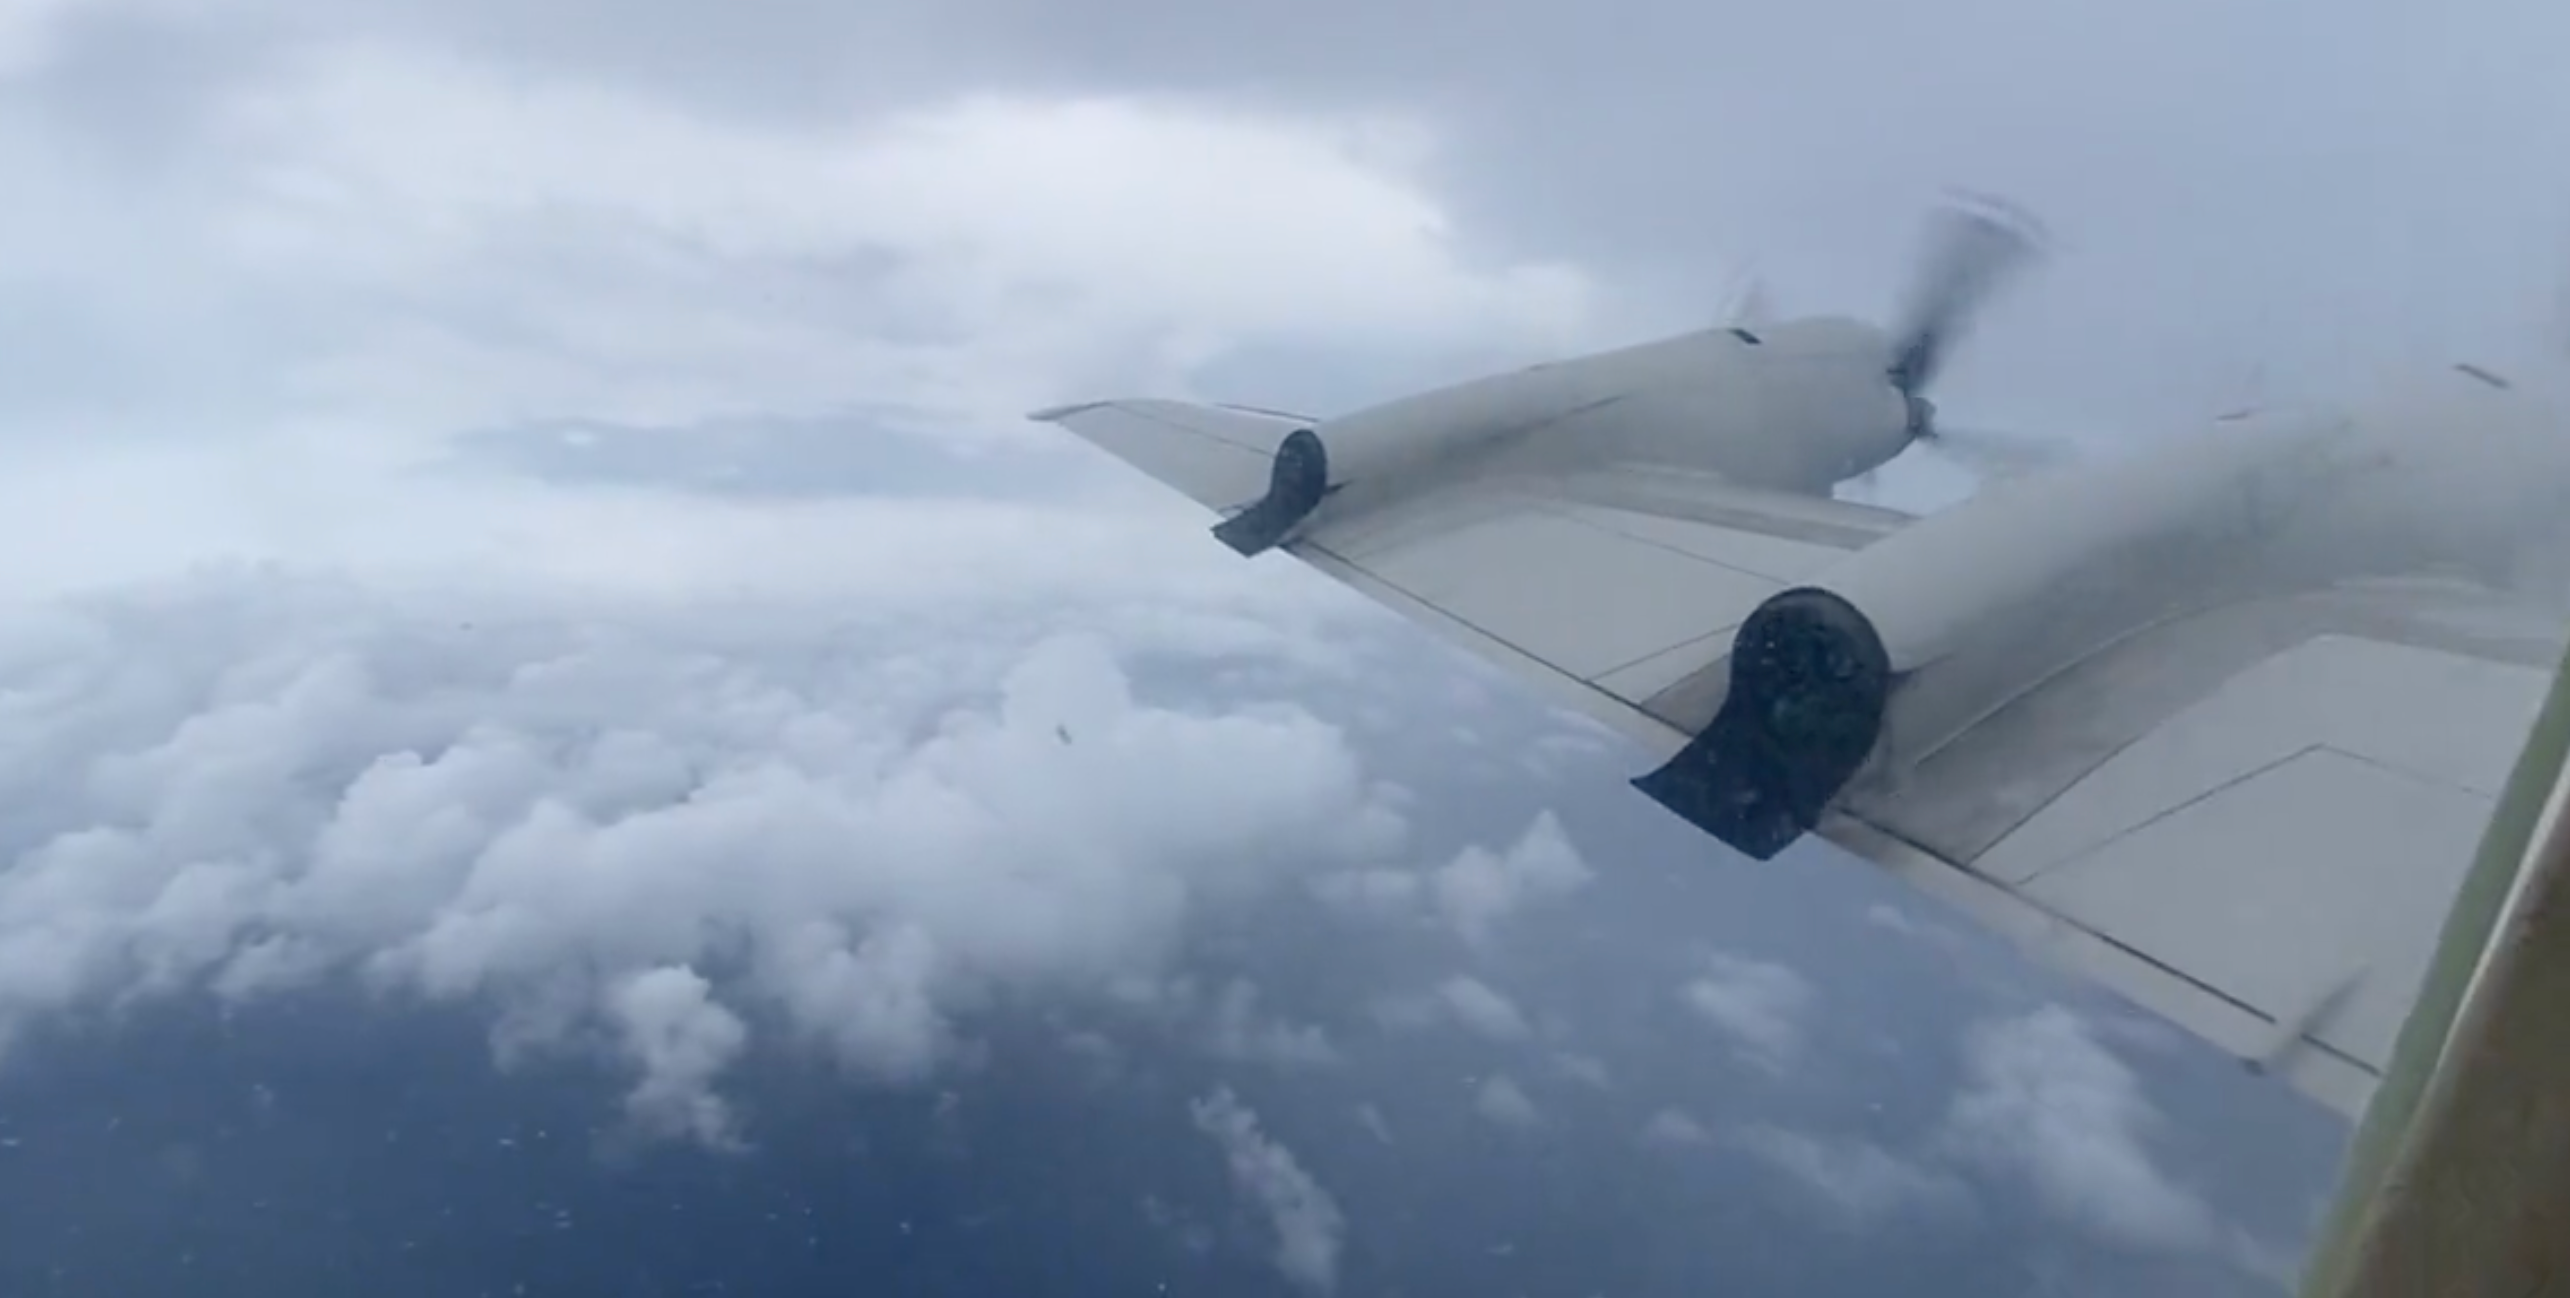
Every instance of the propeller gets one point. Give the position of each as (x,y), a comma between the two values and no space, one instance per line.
(1974,245)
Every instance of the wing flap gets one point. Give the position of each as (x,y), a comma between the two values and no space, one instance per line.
(2258,816)
(2326,1075)
(2279,921)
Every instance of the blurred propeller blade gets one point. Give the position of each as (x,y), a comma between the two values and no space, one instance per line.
(1973,246)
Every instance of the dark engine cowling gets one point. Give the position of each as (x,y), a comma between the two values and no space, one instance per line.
(1296,482)
(1809,682)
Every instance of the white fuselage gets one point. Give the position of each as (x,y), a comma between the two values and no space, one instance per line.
(1794,406)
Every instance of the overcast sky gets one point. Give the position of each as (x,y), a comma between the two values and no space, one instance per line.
(523,505)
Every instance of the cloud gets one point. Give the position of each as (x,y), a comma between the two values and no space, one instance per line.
(1382,894)
(1310,1229)
(1584,741)
(680,1041)
(1477,1006)
(683,822)
(1760,1006)
(1675,1128)
(2208,234)
(1585,1068)
(2208,240)
(425,238)
(1502,1101)
(1864,1185)
(1476,892)
(1240,1032)
(1890,918)
(2044,1101)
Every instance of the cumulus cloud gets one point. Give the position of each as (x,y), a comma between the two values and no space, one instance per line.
(1759,1006)
(1673,1129)
(1479,889)
(1502,1101)
(1580,745)
(1380,893)
(680,1040)
(1862,1184)
(1461,1001)
(1475,893)
(1890,918)
(1585,1068)
(1478,1006)
(1241,1031)
(1310,1229)
(2047,1103)
(680,823)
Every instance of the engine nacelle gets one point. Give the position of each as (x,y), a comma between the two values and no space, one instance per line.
(1810,681)
(1801,407)
(1909,641)
(1375,453)
(1296,481)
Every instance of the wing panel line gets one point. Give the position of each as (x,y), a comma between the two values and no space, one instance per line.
(2340,1091)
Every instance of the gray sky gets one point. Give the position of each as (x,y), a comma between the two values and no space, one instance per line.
(486,207)
(334,645)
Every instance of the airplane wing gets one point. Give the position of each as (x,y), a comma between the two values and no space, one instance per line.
(2250,821)
(1609,587)
(1217,456)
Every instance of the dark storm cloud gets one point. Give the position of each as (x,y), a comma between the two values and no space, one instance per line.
(2292,190)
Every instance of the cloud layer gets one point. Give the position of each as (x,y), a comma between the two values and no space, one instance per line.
(413,239)
(589,817)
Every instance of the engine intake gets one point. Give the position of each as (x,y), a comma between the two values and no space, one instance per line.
(1296,482)
(1809,682)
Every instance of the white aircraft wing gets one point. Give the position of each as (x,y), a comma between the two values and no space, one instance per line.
(1217,456)
(2250,821)
(1606,586)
